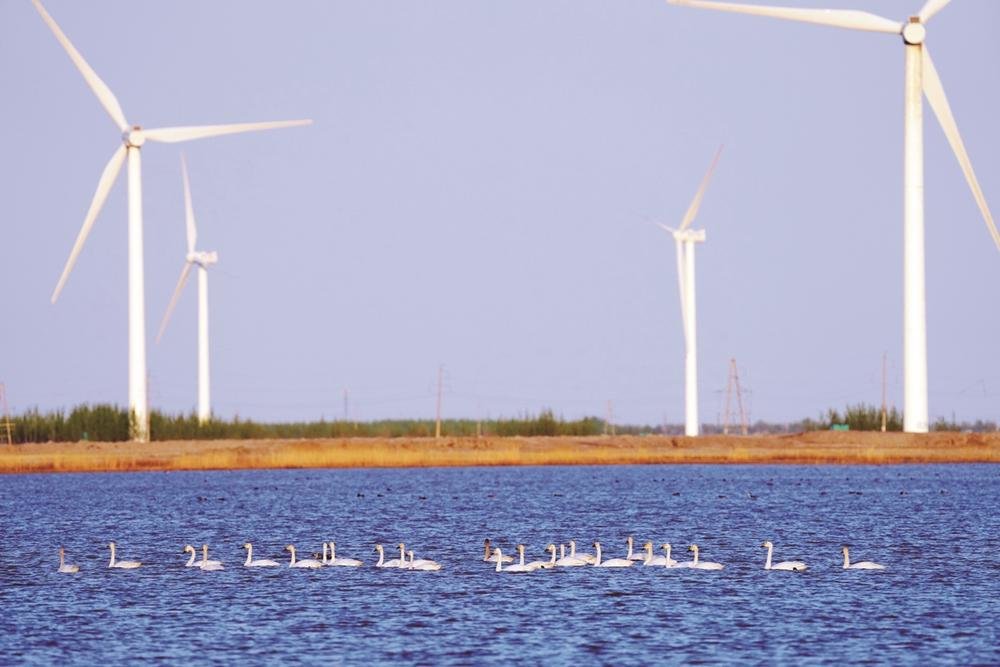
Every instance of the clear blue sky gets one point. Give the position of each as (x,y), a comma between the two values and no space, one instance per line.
(477,192)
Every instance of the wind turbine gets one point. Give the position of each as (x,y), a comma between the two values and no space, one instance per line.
(684,240)
(132,137)
(202,260)
(921,78)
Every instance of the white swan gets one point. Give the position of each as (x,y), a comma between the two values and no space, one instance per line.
(587,558)
(666,550)
(340,562)
(703,564)
(793,565)
(611,562)
(422,564)
(633,555)
(121,564)
(568,561)
(489,556)
(63,567)
(650,559)
(382,562)
(538,564)
(861,565)
(304,563)
(190,549)
(260,562)
(546,564)
(207,564)
(516,567)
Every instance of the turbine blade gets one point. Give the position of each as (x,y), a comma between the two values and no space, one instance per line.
(838,18)
(107,180)
(939,103)
(192,231)
(931,8)
(692,211)
(104,94)
(171,135)
(185,273)
(680,286)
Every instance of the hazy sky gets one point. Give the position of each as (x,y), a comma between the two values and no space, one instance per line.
(478,190)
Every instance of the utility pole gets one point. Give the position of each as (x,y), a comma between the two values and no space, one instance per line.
(437,425)
(609,422)
(883,392)
(731,385)
(6,414)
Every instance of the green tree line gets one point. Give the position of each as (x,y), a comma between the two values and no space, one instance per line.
(110,423)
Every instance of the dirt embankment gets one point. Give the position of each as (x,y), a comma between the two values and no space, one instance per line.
(806,448)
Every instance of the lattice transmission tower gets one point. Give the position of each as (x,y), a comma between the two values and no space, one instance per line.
(733,386)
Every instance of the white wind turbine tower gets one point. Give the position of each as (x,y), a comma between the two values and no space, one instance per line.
(132,137)
(202,260)
(684,240)
(921,78)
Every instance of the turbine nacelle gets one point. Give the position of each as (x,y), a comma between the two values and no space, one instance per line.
(914,32)
(689,235)
(203,259)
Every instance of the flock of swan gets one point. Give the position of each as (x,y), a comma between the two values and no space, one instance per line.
(645,558)
(407,561)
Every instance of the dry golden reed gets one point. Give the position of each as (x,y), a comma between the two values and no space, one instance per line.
(803,448)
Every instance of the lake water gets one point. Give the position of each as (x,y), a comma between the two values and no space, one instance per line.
(935,527)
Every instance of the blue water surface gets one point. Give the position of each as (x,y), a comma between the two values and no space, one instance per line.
(935,527)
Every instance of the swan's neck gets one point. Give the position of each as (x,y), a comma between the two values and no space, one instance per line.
(204,553)
(62,559)
(249,555)
(572,549)
(381,558)
(598,547)
(521,553)
(629,554)
(847,559)
(292,549)
(695,556)
(668,552)
(767,565)
(333,551)
(553,559)
(562,551)
(112,563)
(324,554)
(649,552)
(191,559)
(402,553)
(499,555)
(486,550)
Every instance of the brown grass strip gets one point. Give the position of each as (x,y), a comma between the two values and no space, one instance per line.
(803,448)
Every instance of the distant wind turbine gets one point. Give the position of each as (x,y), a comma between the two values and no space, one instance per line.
(133,137)
(921,78)
(202,260)
(684,240)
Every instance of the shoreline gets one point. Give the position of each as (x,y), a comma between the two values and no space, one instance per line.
(812,448)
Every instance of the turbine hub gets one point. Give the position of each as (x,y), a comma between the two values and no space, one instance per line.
(133,137)
(914,32)
(204,259)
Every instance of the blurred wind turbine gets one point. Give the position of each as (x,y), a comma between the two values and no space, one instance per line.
(203,260)
(684,240)
(133,137)
(921,78)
